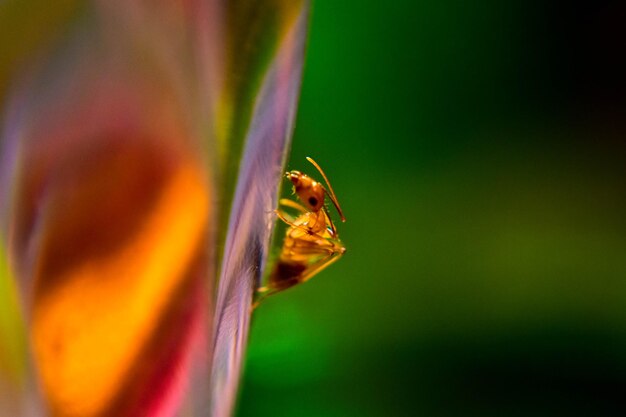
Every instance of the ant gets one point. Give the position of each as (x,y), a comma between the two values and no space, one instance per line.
(311,243)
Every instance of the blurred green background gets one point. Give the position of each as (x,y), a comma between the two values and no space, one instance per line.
(478,151)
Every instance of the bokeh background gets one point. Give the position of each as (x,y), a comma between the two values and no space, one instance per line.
(477,149)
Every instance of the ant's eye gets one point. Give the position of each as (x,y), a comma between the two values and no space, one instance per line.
(313,201)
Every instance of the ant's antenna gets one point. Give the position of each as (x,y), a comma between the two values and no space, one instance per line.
(330,191)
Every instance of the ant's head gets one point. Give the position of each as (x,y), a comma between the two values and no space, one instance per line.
(309,191)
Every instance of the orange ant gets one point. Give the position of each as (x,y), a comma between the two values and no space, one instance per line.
(311,243)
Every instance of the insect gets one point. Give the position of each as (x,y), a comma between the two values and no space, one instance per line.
(311,242)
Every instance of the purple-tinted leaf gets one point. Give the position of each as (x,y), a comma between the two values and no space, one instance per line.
(251,217)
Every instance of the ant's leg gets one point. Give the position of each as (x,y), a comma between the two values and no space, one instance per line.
(285,217)
(332,256)
(319,266)
(256,303)
(266,292)
(315,246)
(329,222)
(290,203)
